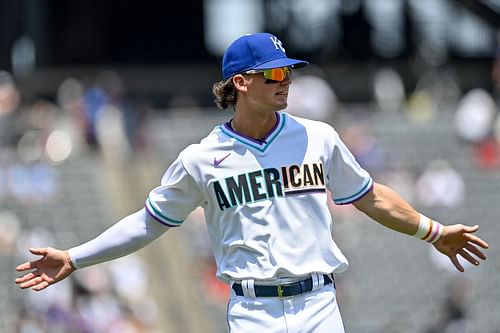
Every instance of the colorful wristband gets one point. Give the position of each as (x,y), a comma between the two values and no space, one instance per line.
(429,230)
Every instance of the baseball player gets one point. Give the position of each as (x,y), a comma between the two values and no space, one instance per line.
(262,178)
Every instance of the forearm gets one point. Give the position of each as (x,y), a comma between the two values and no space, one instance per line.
(386,207)
(128,235)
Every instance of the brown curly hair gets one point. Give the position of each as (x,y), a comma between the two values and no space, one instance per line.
(225,94)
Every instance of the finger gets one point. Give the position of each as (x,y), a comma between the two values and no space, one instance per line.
(457,264)
(478,241)
(41,286)
(32,264)
(26,266)
(25,278)
(474,250)
(466,255)
(31,283)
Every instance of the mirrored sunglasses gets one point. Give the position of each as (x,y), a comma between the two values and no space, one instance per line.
(274,74)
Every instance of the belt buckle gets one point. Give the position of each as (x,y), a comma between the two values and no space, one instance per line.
(280,291)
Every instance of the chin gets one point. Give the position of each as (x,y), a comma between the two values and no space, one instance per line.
(282,106)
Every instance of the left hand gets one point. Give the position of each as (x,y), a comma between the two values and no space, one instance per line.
(458,239)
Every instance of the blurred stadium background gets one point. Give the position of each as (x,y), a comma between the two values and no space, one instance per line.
(98,97)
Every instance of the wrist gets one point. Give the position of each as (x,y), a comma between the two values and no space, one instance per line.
(71,261)
(429,230)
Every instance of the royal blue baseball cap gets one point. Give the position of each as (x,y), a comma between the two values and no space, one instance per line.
(256,51)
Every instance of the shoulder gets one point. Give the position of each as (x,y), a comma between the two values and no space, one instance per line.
(313,127)
(207,146)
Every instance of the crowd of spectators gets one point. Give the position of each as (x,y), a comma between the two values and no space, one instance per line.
(37,137)
(99,116)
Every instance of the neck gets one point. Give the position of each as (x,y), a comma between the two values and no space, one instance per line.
(256,126)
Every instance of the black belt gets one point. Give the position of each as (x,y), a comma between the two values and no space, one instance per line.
(283,290)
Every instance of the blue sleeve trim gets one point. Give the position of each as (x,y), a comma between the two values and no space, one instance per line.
(365,189)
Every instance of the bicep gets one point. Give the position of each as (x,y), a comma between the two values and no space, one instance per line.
(367,201)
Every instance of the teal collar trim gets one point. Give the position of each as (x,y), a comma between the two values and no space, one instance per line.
(261,146)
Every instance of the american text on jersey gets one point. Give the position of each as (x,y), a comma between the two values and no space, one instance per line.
(265,184)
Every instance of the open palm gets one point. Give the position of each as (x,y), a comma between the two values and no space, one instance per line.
(54,266)
(458,239)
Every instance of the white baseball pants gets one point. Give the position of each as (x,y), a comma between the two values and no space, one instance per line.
(312,312)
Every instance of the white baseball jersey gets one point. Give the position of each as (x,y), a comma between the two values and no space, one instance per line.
(265,200)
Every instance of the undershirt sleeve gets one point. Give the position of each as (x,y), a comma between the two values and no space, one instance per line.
(126,236)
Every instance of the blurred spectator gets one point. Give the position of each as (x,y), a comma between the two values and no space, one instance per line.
(94,98)
(486,154)
(37,236)
(129,278)
(110,134)
(30,183)
(436,91)
(311,97)
(364,145)
(214,291)
(440,185)
(402,181)
(474,116)
(453,313)
(496,129)
(89,303)
(72,121)
(9,103)
(495,73)
(420,106)
(388,90)
(9,232)
(113,121)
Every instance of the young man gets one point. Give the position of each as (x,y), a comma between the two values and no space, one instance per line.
(262,178)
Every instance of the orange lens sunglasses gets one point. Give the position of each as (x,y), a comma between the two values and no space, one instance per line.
(276,74)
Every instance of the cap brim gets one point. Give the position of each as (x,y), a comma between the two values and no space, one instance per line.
(282,62)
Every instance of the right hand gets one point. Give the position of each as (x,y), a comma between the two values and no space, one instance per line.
(52,267)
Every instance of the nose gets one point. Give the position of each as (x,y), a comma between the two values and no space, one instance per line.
(288,79)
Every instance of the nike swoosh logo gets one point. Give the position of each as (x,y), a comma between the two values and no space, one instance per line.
(217,162)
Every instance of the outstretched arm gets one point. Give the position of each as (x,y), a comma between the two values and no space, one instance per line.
(128,235)
(386,207)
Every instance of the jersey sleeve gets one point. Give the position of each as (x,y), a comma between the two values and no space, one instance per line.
(178,195)
(346,179)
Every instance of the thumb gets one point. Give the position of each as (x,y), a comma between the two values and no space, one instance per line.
(40,251)
(472,228)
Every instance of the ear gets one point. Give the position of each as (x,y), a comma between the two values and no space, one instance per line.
(240,83)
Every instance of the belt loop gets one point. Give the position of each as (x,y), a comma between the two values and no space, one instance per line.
(317,281)
(248,287)
(280,291)
(303,287)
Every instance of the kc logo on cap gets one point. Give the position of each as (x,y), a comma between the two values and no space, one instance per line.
(254,52)
(277,43)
